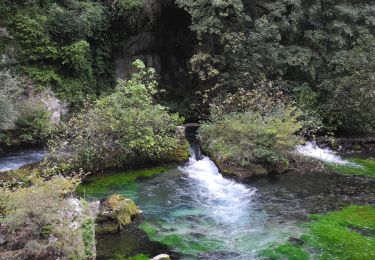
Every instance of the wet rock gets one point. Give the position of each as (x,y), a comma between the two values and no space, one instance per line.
(296,241)
(115,213)
(161,257)
(242,173)
(363,231)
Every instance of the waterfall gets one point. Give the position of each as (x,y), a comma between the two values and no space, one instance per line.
(227,199)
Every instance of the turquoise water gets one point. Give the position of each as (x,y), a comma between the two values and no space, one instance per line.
(198,213)
(193,212)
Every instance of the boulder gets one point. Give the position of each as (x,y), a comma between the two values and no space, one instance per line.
(243,173)
(115,213)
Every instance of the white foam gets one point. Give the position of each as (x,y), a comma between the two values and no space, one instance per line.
(311,149)
(229,200)
(19,159)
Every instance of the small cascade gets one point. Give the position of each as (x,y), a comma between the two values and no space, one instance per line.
(311,149)
(195,151)
(16,160)
(191,136)
(229,200)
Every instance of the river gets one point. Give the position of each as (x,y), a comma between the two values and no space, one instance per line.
(199,214)
(192,212)
(16,159)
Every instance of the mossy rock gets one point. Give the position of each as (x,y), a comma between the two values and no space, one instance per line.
(115,213)
(242,173)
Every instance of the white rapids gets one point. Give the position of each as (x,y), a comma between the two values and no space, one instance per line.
(229,199)
(16,160)
(311,149)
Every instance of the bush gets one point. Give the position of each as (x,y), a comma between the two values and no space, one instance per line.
(43,221)
(247,135)
(124,127)
(34,123)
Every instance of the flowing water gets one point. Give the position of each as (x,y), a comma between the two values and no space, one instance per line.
(199,214)
(311,149)
(17,159)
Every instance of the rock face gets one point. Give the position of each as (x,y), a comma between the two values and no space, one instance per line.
(49,101)
(165,44)
(142,46)
(115,213)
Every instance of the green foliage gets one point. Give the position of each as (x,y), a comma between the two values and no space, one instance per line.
(34,124)
(32,38)
(124,127)
(217,26)
(44,76)
(77,56)
(348,102)
(325,46)
(249,128)
(11,88)
(88,236)
(125,5)
(56,43)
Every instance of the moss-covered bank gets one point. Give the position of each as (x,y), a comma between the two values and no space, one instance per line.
(345,234)
(360,166)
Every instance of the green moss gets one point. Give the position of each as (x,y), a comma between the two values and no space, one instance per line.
(341,234)
(366,167)
(286,251)
(139,257)
(345,234)
(123,208)
(101,186)
(183,243)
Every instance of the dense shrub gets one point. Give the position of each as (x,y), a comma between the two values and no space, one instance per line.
(42,221)
(124,127)
(34,123)
(256,130)
(348,100)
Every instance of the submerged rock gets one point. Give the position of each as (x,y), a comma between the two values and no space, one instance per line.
(161,257)
(115,213)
